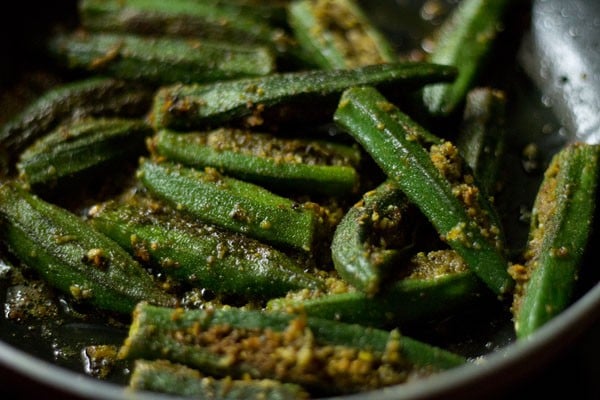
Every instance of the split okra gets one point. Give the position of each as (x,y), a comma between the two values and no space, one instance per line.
(312,252)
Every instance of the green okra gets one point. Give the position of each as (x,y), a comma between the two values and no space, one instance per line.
(210,19)
(275,11)
(309,166)
(73,257)
(202,255)
(373,238)
(337,34)
(160,60)
(434,181)
(176,379)
(234,204)
(186,107)
(82,146)
(94,97)
(264,343)
(464,40)
(561,224)
(446,286)
(482,137)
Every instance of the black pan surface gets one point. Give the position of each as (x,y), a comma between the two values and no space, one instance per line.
(554,64)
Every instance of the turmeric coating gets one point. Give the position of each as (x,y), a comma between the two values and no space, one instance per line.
(544,208)
(294,355)
(447,160)
(348,33)
(435,263)
(266,145)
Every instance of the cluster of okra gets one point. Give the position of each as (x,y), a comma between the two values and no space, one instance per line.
(207,98)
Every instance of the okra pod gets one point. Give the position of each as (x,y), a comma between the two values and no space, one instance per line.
(314,353)
(201,255)
(233,204)
(308,166)
(176,379)
(464,40)
(433,181)
(73,257)
(482,136)
(95,97)
(187,107)
(373,237)
(82,146)
(561,223)
(160,60)
(210,19)
(337,34)
(446,285)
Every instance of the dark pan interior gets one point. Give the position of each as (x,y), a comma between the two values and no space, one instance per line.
(540,105)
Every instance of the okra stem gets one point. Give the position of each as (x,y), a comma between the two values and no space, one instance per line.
(454,209)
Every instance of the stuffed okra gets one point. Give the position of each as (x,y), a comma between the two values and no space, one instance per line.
(464,40)
(160,60)
(73,257)
(482,136)
(234,204)
(299,165)
(281,95)
(337,34)
(81,147)
(561,224)
(315,353)
(433,180)
(201,255)
(94,97)
(427,286)
(164,377)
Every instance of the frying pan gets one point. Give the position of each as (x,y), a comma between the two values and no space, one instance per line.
(559,58)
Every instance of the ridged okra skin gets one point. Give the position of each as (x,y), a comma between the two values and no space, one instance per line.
(464,40)
(450,201)
(160,60)
(337,34)
(202,255)
(482,136)
(373,237)
(73,257)
(446,285)
(164,377)
(266,342)
(561,224)
(80,147)
(298,165)
(279,95)
(211,19)
(233,204)
(90,97)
